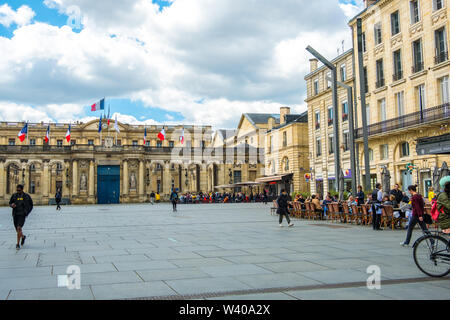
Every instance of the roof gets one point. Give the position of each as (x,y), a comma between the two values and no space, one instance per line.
(293,118)
(226,133)
(261,118)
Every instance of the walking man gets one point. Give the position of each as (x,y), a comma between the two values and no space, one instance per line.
(174,199)
(283,210)
(377,198)
(22,204)
(418,206)
(152,198)
(58,198)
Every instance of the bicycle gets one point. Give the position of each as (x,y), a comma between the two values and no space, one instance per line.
(431,254)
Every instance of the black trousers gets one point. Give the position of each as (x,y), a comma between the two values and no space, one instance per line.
(58,205)
(281,217)
(376,220)
(174,205)
(412,223)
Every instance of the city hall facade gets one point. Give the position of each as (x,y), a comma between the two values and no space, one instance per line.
(117,167)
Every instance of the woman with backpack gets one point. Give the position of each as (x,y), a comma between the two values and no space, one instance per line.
(443,205)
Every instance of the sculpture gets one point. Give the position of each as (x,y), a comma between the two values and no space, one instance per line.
(133,181)
(83,182)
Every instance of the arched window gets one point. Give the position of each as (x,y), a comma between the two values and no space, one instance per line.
(32,167)
(404,149)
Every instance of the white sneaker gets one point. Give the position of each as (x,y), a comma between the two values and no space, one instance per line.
(291,225)
(404,244)
(281,226)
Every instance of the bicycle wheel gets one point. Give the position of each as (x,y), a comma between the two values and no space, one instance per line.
(433,259)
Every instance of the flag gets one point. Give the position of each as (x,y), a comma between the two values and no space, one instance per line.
(100,125)
(116,125)
(100,105)
(182,137)
(23,133)
(162,135)
(47,135)
(68,134)
(109,116)
(145,136)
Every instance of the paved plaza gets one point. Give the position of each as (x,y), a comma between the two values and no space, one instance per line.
(206,251)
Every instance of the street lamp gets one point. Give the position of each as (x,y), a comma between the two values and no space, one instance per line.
(231,176)
(333,69)
(351,130)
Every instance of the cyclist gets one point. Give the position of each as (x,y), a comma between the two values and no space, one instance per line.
(443,202)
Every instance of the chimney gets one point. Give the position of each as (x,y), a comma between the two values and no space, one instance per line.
(270,123)
(368,3)
(313,64)
(283,112)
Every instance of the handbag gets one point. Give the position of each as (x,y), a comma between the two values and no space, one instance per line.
(427,218)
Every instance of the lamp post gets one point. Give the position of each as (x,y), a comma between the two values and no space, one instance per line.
(351,130)
(333,69)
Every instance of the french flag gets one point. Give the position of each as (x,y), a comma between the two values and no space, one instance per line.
(23,133)
(100,105)
(47,135)
(145,136)
(162,135)
(68,134)
(182,137)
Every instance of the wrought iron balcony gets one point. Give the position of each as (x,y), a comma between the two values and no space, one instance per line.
(397,76)
(437,113)
(417,67)
(379,83)
(441,57)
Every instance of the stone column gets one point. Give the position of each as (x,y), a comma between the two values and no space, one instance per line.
(203,178)
(45,180)
(91,179)
(141,180)
(125,178)
(65,190)
(167,179)
(2,179)
(75,178)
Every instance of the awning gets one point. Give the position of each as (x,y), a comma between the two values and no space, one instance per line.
(237,185)
(273,178)
(434,145)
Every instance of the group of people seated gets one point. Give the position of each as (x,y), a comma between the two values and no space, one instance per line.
(217,197)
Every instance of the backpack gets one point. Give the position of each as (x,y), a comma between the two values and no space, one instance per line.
(434,210)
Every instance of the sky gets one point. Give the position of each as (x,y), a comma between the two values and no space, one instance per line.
(202,62)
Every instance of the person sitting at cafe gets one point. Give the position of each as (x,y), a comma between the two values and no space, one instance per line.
(360,195)
(317,207)
(397,193)
(393,200)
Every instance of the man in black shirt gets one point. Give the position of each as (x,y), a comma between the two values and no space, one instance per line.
(22,204)
(283,207)
(398,194)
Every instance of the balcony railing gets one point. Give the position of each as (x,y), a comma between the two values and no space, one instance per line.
(418,67)
(437,113)
(397,76)
(379,83)
(441,57)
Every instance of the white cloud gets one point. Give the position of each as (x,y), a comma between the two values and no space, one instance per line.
(21,17)
(235,56)
(351,8)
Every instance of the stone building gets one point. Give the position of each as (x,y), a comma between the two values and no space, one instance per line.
(110,168)
(407,68)
(286,152)
(320,123)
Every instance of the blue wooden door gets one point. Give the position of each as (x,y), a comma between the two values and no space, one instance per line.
(108,184)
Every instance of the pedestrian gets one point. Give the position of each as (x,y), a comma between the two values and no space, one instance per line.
(174,199)
(152,198)
(431,194)
(283,207)
(22,204)
(418,206)
(265,197)
(377,198)
(58,198)
(360,196)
